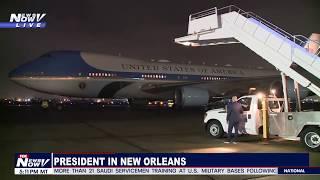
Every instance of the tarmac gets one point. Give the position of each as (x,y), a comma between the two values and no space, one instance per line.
(123,130)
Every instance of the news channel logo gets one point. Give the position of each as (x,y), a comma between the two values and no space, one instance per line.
(33,160)
(25,21)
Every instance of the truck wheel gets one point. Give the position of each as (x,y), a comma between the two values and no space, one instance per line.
(215,129)
(310,138)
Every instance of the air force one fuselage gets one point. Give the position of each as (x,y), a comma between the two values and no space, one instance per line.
(83,74)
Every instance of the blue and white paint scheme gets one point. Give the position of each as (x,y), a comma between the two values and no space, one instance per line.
(84,74)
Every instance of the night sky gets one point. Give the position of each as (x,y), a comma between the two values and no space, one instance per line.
(143,29)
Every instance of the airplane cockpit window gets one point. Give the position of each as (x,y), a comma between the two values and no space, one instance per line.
(245,103)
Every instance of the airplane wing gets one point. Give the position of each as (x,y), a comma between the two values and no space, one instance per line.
(161,87)
(218,87)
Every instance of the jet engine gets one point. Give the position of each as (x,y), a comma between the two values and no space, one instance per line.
(191,97)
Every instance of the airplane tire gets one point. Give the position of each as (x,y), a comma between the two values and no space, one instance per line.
(215,129)
(310,138)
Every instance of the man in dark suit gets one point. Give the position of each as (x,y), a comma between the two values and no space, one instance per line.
(234,115)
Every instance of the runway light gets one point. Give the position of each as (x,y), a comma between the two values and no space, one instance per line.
(170,104)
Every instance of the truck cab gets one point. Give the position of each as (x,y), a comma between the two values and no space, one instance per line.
(216,122)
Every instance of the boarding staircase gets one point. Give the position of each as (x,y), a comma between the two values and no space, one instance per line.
(294,55)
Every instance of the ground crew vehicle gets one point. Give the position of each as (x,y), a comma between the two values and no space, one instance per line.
(289,125)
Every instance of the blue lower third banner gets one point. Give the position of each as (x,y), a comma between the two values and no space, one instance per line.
(163,164)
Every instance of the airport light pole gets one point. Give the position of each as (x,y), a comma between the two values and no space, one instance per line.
(265,118)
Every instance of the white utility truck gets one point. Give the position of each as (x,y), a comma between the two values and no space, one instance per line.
(289,125)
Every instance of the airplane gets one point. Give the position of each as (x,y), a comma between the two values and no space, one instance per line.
(93,75)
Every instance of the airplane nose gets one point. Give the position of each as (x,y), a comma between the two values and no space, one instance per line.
(45,72)
(54,64)
(18,72)
(35,67)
